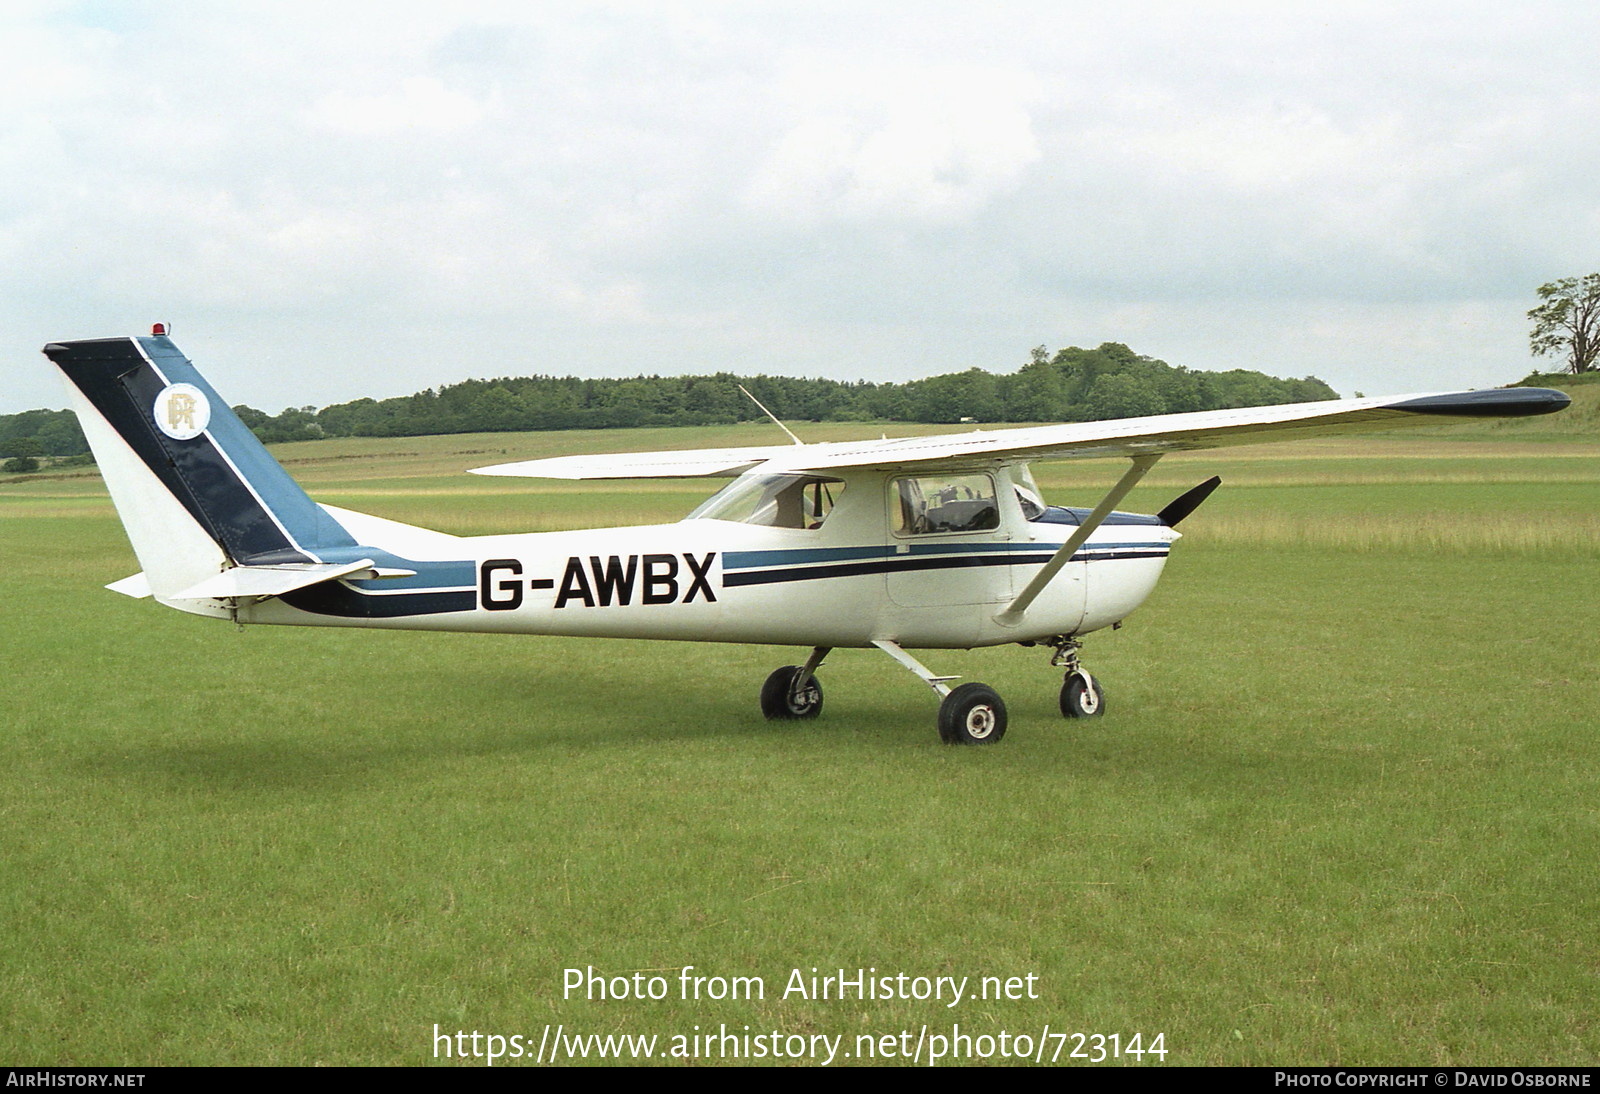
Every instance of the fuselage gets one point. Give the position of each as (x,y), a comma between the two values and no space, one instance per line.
(841,572)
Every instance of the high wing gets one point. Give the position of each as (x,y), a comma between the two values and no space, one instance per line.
(1154,435)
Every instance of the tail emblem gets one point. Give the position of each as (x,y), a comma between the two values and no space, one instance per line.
(182,411)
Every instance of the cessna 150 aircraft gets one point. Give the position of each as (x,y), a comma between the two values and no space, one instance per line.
(939,542)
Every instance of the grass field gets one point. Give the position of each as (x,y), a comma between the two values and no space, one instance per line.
(1343,808)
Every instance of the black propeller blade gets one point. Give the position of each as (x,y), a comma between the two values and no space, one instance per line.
(1187,503)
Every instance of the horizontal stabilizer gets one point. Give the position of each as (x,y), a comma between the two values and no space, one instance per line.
(137,586)
(271,580)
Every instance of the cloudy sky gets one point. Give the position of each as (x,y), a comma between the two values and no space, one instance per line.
(341,199)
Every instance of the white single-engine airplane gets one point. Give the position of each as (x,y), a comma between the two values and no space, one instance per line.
(939,542)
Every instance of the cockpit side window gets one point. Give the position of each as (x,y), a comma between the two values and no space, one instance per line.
(774,501)
(945,503)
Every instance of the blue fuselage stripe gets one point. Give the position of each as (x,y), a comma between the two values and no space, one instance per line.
(909,563)
(745,560)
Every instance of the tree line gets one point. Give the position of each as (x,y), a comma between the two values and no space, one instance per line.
(1070,385)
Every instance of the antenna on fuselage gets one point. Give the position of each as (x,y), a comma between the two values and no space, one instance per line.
(770,414)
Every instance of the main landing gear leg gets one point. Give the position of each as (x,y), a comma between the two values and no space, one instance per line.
(794,691)
(1081,696)
(971,714)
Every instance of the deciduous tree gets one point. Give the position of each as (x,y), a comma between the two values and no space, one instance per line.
(1568,322)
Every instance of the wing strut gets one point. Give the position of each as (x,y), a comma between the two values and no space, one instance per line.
(1012,615)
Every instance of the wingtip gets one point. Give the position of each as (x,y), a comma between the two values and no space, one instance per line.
(1500,402)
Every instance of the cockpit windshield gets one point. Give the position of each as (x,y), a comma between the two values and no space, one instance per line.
(774,501)
(1029,495)
(1034,508)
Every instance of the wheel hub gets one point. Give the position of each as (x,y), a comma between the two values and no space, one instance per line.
(980,721)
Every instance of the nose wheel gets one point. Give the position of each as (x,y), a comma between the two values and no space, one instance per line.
(1081,696)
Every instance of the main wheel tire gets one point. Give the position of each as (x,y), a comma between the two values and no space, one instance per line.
(972,714)
(778,700)
(1082,697)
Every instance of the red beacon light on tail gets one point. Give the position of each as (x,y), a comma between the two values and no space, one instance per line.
(159,330)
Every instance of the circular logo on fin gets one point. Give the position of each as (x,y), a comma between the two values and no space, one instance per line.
(182,411)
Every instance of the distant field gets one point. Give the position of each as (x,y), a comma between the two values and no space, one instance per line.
(1342,808)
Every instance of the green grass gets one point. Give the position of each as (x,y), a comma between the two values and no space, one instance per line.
(1341,810)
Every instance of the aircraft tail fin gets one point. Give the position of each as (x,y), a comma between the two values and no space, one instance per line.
(197,493)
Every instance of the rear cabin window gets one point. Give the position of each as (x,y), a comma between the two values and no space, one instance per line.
(945,503)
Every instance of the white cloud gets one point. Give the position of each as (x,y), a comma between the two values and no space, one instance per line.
(899,141)
(421,103)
